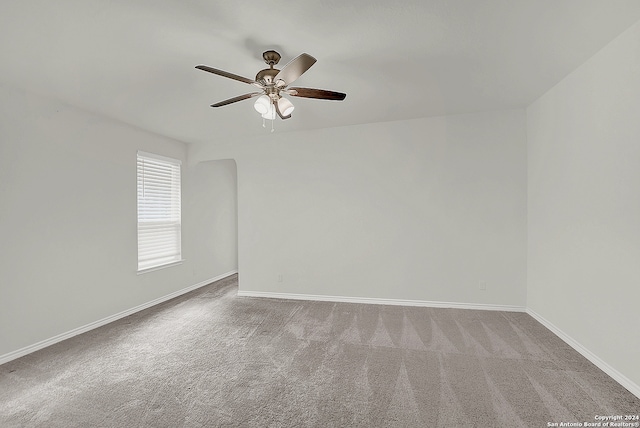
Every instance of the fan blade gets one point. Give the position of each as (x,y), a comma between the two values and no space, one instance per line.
(227,74)
(295,68)
(236,99)
(317,93)
(280,113)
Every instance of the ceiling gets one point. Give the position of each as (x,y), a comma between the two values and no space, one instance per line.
(134,60)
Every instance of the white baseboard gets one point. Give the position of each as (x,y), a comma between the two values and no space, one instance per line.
(76,331)
(615,374)
(378,301)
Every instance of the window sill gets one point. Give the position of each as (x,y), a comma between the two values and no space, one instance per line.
(154,268)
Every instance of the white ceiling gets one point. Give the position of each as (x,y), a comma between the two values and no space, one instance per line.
(133,60)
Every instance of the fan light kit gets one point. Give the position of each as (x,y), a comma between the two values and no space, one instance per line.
(274,84)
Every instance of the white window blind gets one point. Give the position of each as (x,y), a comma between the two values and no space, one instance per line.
(159,223)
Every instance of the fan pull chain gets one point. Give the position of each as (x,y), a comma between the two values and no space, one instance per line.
(272,125)
(263,124)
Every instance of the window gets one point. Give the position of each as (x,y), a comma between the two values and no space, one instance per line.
(159,224)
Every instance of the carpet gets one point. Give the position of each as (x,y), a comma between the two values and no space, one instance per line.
(212,359)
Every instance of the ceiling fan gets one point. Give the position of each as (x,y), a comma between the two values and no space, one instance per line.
(274,84)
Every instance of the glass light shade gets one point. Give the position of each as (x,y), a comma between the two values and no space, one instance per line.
(262,104)
(285,106)
(270,114)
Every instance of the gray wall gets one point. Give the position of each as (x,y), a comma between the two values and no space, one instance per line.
(584,205)
(68,248)
(419,209)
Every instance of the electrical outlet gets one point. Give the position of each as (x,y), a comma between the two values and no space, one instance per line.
(482,285)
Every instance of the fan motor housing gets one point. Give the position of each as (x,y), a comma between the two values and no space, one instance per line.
(267,75)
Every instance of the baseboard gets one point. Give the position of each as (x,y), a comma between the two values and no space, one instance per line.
(378,301)
(615,374)
(76,331)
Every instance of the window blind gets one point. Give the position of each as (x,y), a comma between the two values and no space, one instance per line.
(159,220)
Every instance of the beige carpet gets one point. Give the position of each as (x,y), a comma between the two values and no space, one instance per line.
(211,359)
